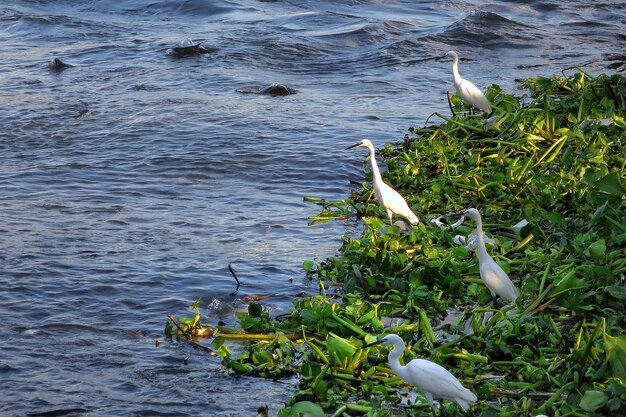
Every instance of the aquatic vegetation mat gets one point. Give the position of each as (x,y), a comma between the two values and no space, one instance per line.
(547,173)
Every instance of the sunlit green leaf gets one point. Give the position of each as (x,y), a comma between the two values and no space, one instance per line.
(308,265)
(339,348)
(616,354)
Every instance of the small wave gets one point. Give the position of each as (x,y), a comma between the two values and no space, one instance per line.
(487,29)
(586,24)
(68,327)
(196,8)
(59,412)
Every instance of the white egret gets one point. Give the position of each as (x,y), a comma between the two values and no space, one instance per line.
(389,198)
(433,379)
(466,89)
(491,273)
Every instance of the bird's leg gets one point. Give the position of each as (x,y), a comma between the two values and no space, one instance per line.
(493,297)
(429,397)
(432,408)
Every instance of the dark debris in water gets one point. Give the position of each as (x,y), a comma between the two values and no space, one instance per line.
(189,50)
(274,90)
(619,63)
(58,65)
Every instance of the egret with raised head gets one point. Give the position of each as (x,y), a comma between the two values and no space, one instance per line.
(466,89)
(389,198)
(433,379)
(491,273)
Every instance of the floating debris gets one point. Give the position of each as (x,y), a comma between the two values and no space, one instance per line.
(187,47)
(58,65)
(274,90)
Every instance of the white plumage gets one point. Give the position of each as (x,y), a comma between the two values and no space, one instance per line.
(466,89)
(433,379)
(491,273)
(389,198)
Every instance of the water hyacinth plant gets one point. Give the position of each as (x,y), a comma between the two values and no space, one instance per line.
(556,159)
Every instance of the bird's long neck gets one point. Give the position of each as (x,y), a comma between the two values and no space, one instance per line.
(455,70)
(375,171)
(482,250)
(394,356)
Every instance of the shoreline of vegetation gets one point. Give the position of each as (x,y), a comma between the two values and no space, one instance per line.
(555,158)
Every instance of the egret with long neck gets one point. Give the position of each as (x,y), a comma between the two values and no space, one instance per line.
(491,273)
(433,379)
(466,89)
(389,198)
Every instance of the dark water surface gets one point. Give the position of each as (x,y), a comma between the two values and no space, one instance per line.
(129,181)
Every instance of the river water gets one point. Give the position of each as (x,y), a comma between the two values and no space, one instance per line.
(130,181)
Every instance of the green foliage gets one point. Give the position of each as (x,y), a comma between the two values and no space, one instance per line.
(188,323)
(554,159)
(557,162)
(256,320)
(302,408)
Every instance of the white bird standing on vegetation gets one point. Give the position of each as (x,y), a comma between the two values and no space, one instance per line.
(433,379)
(491,273)
(466,89)
(389,198)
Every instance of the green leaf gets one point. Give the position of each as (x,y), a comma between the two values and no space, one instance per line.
(308,265)
(610,184)
(568,283)
(217,342)
(261,357)
(306,408)
(240,368)
(555,218)
(460,252)
(339,348)
(255,309)
(616,291)
(188,321)
(597,249)
(374,222)
(617,389)
(614,404)
(615,348)
(224,352)
(599,213)
(592,400)
(498,177)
